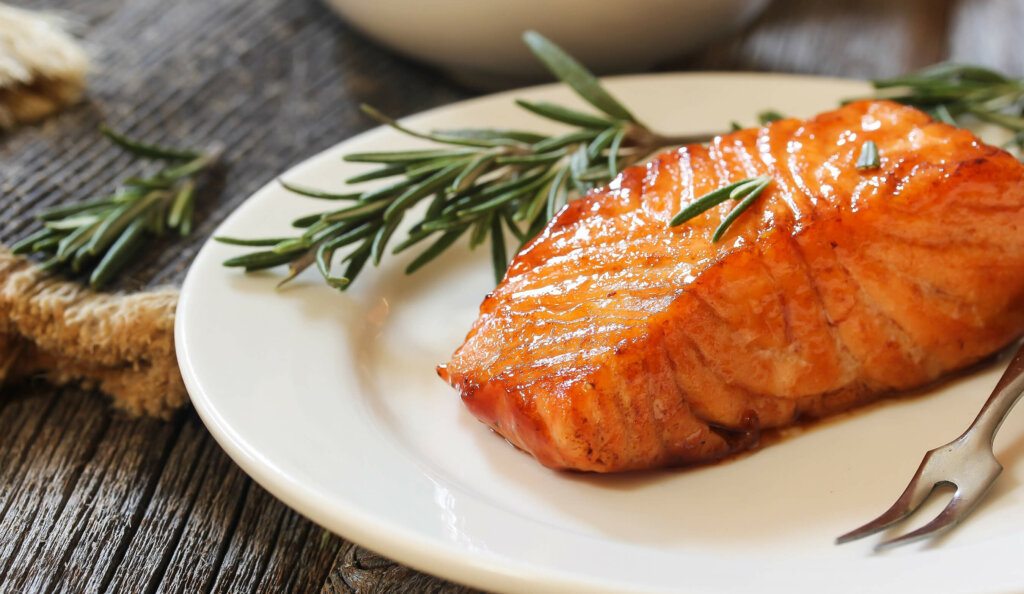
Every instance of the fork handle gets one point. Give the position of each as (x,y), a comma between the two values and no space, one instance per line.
(1006,393)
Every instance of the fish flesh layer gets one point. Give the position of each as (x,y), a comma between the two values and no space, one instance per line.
(618,342)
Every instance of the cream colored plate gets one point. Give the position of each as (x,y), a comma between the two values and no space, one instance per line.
(330,401)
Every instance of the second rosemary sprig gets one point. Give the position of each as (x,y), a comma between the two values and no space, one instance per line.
(103,235)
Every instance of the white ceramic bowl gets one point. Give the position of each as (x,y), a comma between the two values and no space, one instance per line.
(481,40)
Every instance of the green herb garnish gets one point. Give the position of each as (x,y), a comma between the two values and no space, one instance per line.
(746,191)
(485,183)
(768,116)
(868,158)
(103,235)
(956,93)
(490,183)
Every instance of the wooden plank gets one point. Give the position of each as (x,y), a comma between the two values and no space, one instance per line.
(66,442)
(170,506)
(361,570)
(251,543)
(104,509)
(313,547)
(21,420)
(254,560)
(264,550)
(988,33)
(860,39)
(198,553)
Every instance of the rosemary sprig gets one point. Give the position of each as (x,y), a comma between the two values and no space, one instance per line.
(103,235)
(486,183)
(959,93)
(745,191)
(490,183)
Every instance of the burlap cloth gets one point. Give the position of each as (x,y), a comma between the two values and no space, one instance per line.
(121,344)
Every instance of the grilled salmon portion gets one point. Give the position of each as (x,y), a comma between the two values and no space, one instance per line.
(617,342)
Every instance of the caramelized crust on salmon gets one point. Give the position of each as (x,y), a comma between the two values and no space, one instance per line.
(616,342)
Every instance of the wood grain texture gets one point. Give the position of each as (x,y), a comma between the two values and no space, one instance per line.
(863,39)
(91,501)
(980,33)
(38,511)
(360,570)
(145,560)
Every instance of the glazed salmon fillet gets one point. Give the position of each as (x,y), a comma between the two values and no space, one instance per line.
(617,342)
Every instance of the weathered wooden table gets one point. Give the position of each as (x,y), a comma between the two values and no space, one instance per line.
(93,501)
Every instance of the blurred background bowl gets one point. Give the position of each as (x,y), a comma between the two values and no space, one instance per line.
(480,41)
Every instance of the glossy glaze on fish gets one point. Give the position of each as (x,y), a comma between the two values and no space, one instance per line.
(616,342)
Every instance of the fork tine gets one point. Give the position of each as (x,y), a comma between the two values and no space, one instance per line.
(912,497)
(894,514)
(950,516)
(965,499)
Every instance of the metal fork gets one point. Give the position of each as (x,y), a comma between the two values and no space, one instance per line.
(966,463)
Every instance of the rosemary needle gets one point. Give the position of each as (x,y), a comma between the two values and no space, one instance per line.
(748,198)
(709,200)
(868,158)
